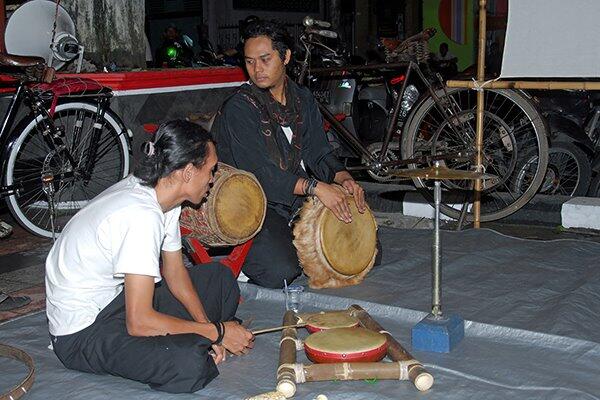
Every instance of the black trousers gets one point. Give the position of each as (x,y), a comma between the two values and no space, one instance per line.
(172,363)
(272,257)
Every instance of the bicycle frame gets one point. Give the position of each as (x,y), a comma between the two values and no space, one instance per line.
(49,132)
(377,163)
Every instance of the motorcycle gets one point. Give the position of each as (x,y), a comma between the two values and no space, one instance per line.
(573,121)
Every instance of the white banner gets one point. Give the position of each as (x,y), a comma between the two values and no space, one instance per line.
(552,39)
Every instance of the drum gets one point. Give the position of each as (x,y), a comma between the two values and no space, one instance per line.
(329,320)
(331,252)
(339,345)
(233,212)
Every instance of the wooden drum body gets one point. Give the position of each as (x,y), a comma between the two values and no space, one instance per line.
(339,345)
(331,252)
(233,212)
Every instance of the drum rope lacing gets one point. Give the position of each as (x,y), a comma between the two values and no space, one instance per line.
(298,369)
(298,342)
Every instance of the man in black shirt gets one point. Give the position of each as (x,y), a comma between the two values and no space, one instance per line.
(273,128)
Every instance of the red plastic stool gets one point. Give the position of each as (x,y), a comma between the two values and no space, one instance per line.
(234,261)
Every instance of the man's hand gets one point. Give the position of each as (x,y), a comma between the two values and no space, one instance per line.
(237,339)
(334,198)
(358,192)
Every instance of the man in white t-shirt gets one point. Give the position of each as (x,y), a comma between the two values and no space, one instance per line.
(113,308)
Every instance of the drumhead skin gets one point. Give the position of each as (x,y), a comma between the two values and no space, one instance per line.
(349,248)
(240,205)
(233,212)
(330,320)
(339,345)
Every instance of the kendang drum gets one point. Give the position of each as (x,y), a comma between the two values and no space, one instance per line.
(340,345)
(329,320)
(331,252)
(233,212)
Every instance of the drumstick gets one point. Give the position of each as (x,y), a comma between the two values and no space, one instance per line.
(277,328)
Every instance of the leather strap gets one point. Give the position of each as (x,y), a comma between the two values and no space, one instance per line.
(24,386)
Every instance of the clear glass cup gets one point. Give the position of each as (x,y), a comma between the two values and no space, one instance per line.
(293,297)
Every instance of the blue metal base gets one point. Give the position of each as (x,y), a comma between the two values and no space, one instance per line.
(439,334)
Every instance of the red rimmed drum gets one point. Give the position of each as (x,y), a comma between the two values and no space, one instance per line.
(330,320)
(233,212)
(340,345)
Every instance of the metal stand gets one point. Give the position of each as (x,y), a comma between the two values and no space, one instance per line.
(436,272)
(437,332)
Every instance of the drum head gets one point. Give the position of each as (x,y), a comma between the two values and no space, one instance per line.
(240,206)
(330,320)
(345,345)
(349,248)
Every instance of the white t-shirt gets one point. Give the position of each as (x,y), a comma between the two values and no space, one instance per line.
(122,231)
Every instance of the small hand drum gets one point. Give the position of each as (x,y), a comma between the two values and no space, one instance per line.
(340,345)
(331,252)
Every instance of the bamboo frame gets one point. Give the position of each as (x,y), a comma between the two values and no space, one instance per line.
(417,374)
(402,367)
(544,85)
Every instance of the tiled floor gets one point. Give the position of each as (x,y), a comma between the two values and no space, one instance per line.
(22,257)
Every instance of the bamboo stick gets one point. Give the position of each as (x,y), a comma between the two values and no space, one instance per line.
(417,374)
(480,108)
(544,85)
(353,371)
(286,375)
(276,328)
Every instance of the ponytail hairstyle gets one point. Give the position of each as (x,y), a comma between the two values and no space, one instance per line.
(176,143)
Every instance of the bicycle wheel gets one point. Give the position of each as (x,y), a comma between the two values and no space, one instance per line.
(513,130)
(31,157)
(569,172)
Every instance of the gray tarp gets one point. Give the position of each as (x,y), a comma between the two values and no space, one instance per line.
(532,329)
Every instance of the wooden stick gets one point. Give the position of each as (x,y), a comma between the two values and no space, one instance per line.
(286,374)
(419,376)
(277,328)
(544,85)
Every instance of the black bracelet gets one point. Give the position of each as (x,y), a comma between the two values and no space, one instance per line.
(220,332)
(312,185)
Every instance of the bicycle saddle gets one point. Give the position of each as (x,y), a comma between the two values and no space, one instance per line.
(11,60)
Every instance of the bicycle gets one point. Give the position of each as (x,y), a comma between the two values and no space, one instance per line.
(68,148)
(441,127)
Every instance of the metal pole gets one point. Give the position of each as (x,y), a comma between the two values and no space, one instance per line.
(436,287)
(480,105)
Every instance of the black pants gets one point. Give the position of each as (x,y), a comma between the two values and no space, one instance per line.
(272,257)
(172,363)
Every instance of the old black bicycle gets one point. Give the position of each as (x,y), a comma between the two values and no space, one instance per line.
(441,127)
(67,147)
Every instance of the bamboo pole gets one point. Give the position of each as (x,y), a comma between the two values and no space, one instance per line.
(286,374)
(544,85)
(354,371)
(415,371)
(480,108)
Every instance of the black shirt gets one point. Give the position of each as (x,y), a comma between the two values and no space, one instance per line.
(241,144)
